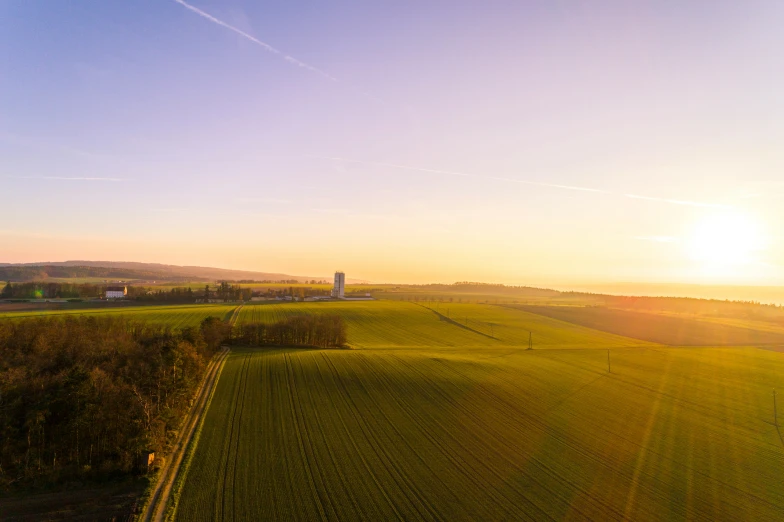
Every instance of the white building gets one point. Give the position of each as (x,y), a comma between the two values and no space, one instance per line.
(116,292)
(339,290)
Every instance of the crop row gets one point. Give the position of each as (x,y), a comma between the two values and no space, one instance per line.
(549,434)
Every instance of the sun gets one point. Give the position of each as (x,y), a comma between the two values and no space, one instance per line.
(725,243)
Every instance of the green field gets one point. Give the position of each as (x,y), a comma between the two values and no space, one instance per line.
(175,316)
(434,421)
(309,434)
(664,329)
(394,324)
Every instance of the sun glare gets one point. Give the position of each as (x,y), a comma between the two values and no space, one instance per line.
(726,243)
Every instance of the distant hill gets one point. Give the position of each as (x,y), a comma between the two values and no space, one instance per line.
(140,271)
(44,272)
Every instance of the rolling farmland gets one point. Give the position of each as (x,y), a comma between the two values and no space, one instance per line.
(664,329)
(391,434)
(440,413)
(397,324)
(175,316)
(430,420)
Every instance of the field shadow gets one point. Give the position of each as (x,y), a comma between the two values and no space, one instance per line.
(459,325)
(652,327)
(111,501)
(284,349)
(778,431)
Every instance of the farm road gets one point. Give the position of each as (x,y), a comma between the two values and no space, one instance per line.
(235,315)
(159,498)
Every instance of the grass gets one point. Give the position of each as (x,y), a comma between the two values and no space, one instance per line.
(775,325)
(658,328)
(176,316)
(459,435)
(398,324)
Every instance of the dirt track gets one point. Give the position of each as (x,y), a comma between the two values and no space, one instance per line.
(159,498)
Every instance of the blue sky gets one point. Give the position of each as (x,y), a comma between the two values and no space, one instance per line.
(400,141)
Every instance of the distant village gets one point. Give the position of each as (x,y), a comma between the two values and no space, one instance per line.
(305,294)
(221,292)
(228,292)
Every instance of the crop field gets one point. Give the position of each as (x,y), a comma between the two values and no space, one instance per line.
(175,316)
(657,328)
(440,413)
(399,324)
(775,325)
(444,434)
(485,297)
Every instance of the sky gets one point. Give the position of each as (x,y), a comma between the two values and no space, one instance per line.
(523,142)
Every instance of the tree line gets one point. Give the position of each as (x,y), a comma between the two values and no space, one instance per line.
(316,330)
(228,292)
(224,291)
(281,281)
(40,290)
(85,397)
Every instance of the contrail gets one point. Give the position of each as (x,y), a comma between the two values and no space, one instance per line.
(678,201)
(266,46)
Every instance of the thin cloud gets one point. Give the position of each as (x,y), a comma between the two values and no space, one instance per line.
(267,47)
(576,188)
(658,239)
(21,233)
(766,195)
(67,178)
(339,211)
(264,200)
(678,201)
(463,174)
(26,141)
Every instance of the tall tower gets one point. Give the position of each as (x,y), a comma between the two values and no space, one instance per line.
(339,289)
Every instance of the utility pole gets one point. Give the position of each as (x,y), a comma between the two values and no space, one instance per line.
(530,340)
(775,411)
(608,362)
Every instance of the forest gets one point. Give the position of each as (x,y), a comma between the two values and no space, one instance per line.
(85,397)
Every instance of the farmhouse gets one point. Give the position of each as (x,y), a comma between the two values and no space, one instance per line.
(116,292)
